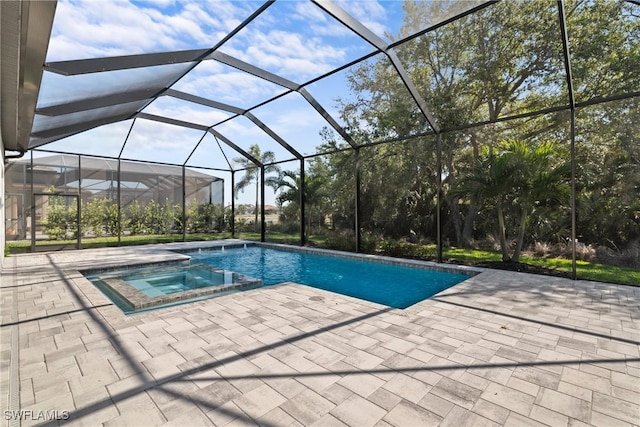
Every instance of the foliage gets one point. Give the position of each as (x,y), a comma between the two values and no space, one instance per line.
(162,218)
(517,180)
(252,173)
(61,217)
(96,216)
(315,195)
(586,270)
(134,218)
(206,218)
(503,60)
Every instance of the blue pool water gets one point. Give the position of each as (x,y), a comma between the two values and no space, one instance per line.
(391,285)
(176,280)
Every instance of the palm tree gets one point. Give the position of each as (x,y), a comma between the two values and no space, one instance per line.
(489,183)
(313,195)
(252,174)
(543,181)
(520,177)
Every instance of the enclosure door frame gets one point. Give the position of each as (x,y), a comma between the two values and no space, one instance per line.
(34,223)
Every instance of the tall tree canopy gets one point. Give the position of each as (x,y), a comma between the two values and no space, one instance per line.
(504,60)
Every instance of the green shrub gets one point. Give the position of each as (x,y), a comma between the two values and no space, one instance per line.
(61,220)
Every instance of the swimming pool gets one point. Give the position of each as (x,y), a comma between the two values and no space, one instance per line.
(139,289)
(392,285)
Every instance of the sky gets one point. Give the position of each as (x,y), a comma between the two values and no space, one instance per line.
(293,39)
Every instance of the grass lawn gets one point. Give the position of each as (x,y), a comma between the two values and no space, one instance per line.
(585,270)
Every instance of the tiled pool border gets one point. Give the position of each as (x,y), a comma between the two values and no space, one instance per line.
(117,317)
(404,262)
(138,300)
(92,271)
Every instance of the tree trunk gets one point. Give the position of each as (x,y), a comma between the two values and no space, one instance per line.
(457,226)
(470,217)
(503,237)
(467,231)
(520,241)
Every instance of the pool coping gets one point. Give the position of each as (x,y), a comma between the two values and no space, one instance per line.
(177,251)
(138,300)
(426,265)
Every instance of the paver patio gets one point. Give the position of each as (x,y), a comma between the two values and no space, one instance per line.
(501,348)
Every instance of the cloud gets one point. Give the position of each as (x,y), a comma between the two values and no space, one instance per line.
(186,111)
(300,44)
(282,52)
(86,28)
(308,11)
(370,13)
(156,141)
(222,83)
(244,133)
(105,140)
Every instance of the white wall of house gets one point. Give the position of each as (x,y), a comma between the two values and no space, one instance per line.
(2,219)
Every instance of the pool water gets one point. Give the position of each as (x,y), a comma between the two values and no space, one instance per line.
(145,288)
(391,285)
(177,280)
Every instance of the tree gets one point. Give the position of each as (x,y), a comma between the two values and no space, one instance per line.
(503,60)
(516,180)
(134,218)
(315,194)
(61,217)
(95,215)
(252,174)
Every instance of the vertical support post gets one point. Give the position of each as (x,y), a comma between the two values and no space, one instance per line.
(574,272)
(79,204)
(79,229)
(33,210)
(184,204)
(25,212)
(119,207)
(233,204)
(262,218)
(572,100)
(303,228)
(439,197)
(357,199)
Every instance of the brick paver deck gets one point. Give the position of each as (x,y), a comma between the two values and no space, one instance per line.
(501,348)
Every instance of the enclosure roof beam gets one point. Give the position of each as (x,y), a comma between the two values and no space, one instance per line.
(202,101)
(194,57)
(25,31)
(223,154)
(227,141)
(236,110)
(252,69)
(320,109)
(226,38)
(63,131)
(352,23)
(171,121)
(273,78)
(357,27)
(273,135)
(194,148)
(115,63)
(98,102)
